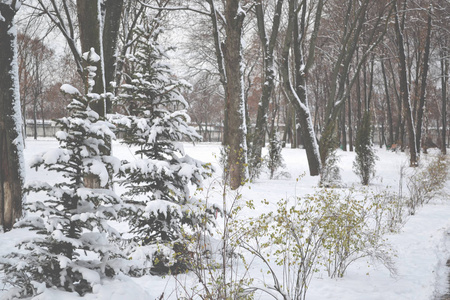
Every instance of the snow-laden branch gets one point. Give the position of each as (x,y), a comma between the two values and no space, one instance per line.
(175,8)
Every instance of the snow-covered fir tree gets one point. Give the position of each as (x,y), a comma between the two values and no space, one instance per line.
(161,210)
(364,164)
(274,159)
(73,248)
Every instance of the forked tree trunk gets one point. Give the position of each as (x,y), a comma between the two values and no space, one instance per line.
(11,142)
(404,92)
(297,96)
(268,75)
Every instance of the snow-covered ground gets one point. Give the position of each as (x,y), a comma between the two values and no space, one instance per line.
(421,246)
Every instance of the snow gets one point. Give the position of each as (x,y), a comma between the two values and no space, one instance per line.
(70,90)
(91,56)
(17,116)
(422,245)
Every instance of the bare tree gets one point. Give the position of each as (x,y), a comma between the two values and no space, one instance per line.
(366,19)
(268,77)
(296,34)
(404,90)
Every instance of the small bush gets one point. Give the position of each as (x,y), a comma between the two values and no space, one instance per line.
(216,260)
(323,229)
(426,181)
(354,226)
(330,173)
(274,159)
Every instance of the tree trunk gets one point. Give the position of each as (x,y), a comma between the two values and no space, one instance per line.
(218,46)
(421,108)
(388,102)
(343,131)
(298,96)
(113,12)
(234,95)
(268,76)
(89,20)
(11,141)
(350,128)
(404,93)
(444,70)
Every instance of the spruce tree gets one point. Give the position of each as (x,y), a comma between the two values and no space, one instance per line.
(73,248)
(364,164)
(160,206)
(274,160)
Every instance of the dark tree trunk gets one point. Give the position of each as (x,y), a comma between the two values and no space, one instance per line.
(268,75)
(113,12)
(399,129)
(388,102)
(218,46)
(421,108)
(343,131)
(234,95)
(404,92)
(444,70)
(350,128)
(11,142)
(297,96)
(90,25)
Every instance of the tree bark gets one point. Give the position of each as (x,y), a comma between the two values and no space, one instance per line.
(11,141)
(234,95)
(89,20)
(404,92)
(350,128)
(218,46)
(113,12)
(388,102)
(268,76)
(444,71)
(421,108)
(298,96)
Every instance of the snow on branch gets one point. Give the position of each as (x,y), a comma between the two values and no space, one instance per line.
(175,8)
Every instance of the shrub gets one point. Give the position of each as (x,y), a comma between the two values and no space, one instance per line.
(217,261)
(322,229)
(354,227)
(273,159)
(330,173)
(427,180)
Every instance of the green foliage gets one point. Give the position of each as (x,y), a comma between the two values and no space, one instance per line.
(354,226)
(159,202)
(364,164)
(324,229)
(255,166)
(74,247)
(330,173)
(274,160)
